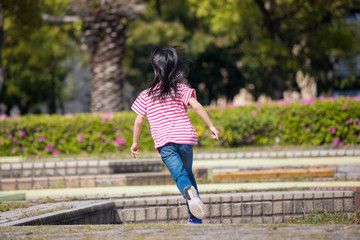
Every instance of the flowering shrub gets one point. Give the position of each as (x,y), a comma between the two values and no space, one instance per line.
(69,134)
(323,121)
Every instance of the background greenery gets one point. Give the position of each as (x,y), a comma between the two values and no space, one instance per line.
(259,45)
(334,121)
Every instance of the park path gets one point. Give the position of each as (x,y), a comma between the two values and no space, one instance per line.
(178,231)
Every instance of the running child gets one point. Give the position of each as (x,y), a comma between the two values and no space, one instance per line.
(165,103)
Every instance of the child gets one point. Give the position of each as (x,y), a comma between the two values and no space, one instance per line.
(165,103)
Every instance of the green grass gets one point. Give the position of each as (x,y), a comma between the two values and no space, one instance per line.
(4,207)
(328,218)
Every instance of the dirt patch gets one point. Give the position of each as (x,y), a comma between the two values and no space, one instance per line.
(173,231)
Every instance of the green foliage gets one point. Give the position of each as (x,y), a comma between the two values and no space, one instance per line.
(34,54)
(330,121)
(213,74)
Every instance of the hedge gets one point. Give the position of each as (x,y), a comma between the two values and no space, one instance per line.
(316,122)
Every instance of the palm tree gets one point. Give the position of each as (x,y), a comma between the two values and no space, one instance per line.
(105,24)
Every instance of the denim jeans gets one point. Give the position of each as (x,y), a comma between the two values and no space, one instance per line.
(179,158)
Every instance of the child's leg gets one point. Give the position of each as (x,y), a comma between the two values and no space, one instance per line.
(186,154)
(170,156)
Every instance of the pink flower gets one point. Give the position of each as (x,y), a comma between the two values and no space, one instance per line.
(14,139)
(350,120)
(3,116)
(332,130)
(357,98)
(232,105)
(22,133)
(41,139)
(80,138)
(118,132)
(345,108)
(50,147)
(103,120)
(338,142)
(109,115)
(22,149)
(100,135)
(69,115)
(56,152)
(119,141)
(251,138)
(14,149)
(254,113)
(9,135)
(358,123)
(281,102)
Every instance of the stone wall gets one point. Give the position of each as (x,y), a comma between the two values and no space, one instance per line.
(227,208)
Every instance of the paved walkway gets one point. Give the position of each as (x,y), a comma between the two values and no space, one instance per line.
(129,191)
(178,231)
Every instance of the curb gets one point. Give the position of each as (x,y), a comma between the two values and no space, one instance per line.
(281,154)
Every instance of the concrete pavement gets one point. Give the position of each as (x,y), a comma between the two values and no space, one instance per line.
(132,191)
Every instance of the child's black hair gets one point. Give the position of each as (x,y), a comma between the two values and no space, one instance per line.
(171,68)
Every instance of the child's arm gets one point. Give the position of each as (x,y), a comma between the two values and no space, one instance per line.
(137,130)
(199,109)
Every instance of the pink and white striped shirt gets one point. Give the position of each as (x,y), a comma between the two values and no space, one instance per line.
(169,122)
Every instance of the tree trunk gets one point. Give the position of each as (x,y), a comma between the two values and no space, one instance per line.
(106,42)
(105,25)
(277,83)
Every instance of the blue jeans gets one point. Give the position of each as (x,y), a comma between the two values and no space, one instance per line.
(179,158)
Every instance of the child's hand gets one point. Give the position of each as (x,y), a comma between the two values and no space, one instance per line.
(134,150)
(214,132)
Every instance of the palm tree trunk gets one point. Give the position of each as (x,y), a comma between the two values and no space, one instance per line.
(106,54)
(105,36)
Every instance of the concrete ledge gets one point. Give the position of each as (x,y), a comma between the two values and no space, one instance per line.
(281,154)
(96,213)
(89,181)
(259,207)
(75,168)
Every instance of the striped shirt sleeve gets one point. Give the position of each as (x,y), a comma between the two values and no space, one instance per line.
(139,106)
(186,94)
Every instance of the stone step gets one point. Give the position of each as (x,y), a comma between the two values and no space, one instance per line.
(89,181)
(273,174)
(151,178)
(75,168)
(9,184)
(227,208)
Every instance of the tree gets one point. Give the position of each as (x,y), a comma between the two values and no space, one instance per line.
(33,55)
(278,38)
(213,63)
(1,44)
(105,25)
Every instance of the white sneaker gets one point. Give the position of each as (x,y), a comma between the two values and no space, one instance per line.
(197,207)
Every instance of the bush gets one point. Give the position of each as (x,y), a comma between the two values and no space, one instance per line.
(316,122)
